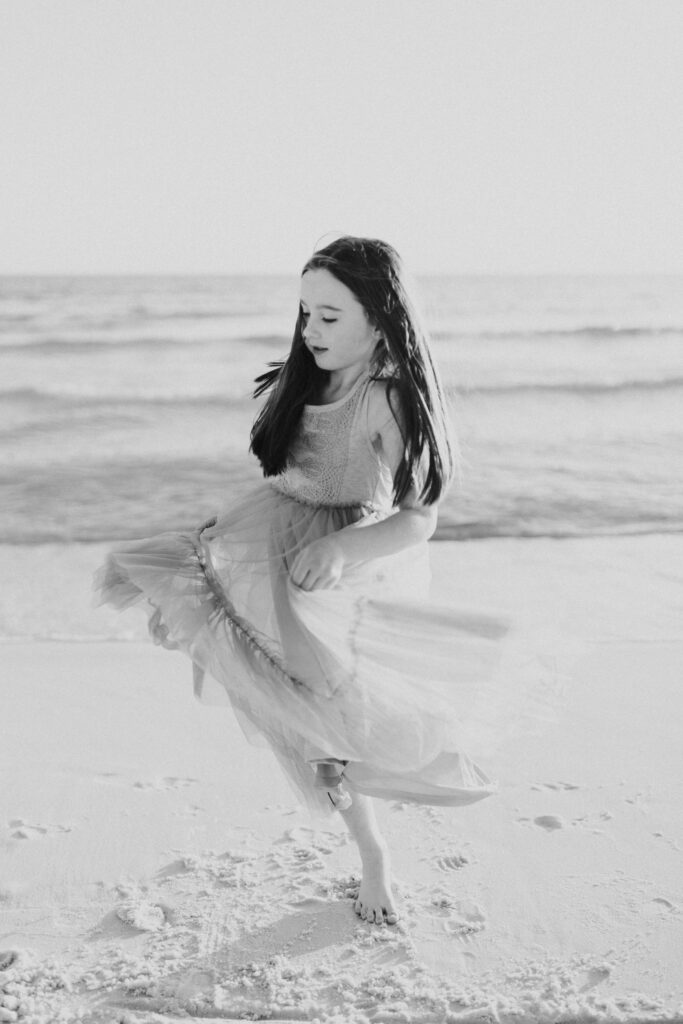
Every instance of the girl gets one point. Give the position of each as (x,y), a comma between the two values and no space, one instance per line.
(305,602)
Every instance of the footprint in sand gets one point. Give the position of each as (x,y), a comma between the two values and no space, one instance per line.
(310,903)
(669,842)
(143,915)
(595,976)
(555,822)
(452,862)
(108,779)
(9,958)
(335,888)
(557,786)
(658,906)
(465,918)
(168,782)
(24,830)
(550,822)
(321,842)
(431,813)
(307,859)
(296,862)
(189,811)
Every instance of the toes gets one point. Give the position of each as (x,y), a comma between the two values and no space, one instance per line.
(376,915)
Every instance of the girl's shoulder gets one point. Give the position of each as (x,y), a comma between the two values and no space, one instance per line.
(383,404)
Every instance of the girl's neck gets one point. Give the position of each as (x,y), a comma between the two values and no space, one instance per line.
(340,383)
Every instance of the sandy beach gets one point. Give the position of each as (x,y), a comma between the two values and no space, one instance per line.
(475,203)
(155,865)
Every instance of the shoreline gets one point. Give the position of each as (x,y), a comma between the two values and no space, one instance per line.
(151,861)
(445,535)
(544,577)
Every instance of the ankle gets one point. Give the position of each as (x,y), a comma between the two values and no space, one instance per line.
(340,799)
(374,853)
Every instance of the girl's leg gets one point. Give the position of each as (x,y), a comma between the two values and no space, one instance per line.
(375,902)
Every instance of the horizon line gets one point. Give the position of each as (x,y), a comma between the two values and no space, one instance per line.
(292,274)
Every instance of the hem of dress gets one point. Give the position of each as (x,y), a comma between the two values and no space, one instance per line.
(457,798)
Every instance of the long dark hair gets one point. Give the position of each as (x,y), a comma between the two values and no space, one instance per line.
(372,270)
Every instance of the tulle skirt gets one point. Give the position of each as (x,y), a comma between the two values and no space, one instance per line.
(368,672)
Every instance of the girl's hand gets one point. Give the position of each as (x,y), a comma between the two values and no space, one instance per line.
(159,633)
(319,565)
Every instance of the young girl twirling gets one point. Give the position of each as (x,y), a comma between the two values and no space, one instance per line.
(307,600)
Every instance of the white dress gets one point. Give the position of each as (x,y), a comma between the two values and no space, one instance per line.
(368,672)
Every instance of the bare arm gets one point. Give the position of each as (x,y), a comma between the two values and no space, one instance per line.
(322,563)
(410,525)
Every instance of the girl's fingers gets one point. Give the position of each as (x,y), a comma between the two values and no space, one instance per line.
(313,579)
(299,570)
(301,579)
(310,581)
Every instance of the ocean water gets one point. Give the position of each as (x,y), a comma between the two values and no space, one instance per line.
(125,402)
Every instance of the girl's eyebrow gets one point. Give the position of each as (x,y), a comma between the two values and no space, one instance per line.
(324,305)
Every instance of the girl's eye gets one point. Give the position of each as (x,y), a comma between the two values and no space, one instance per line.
(325,319)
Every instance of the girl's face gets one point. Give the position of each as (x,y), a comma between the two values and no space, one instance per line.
(335,327)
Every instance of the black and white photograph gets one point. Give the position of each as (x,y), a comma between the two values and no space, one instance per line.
(341,511)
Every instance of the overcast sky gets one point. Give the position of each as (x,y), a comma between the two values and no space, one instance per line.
(521,136)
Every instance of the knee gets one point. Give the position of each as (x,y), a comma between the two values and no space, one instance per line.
(329,774)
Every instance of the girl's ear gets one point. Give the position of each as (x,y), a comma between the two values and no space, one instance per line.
(379,356)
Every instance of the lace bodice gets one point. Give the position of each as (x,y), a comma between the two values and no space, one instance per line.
(335,460)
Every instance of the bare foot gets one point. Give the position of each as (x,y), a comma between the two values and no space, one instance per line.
(375,903)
